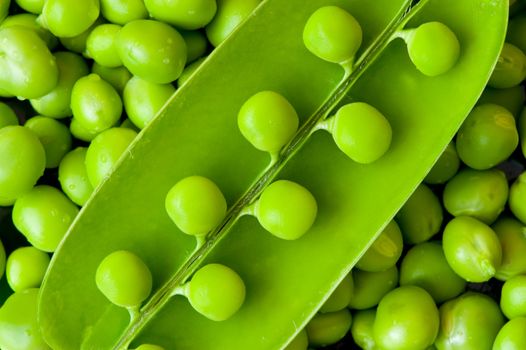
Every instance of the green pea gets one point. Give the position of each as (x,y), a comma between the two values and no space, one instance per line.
(7,115)
(472,249)
(152,50)
(95,103)
(80,132)
(370,287)
(510,69)
(196,44)
(29,21)
(433,48)
(288,219)
(517,195)
(268,121)
(56,103)
(445,168)
(512,237)
(522,130)
(510,98)
(513,297)
(19,328)
(149,347)
(105,151)
(216,292)
(127,123)
(329,328)
(425,266)
(385,250)
(124,279)
(516,30)
(100,45)
(54,136)
(420,218)
(20,173)
(68,18)
(33,6)
(469,322)
(143,99)
(511,335)
(360,131)
(27,68)
(189,71)
(77,43)
(406,318)
(43,215)
(487,137)
(300,341)
(229,14)
(341,296)
(73,176)
(362,329)
(333,34)
(185,14)
(118,77)
(123,11)
(196,205)
(26,267)
(481,194)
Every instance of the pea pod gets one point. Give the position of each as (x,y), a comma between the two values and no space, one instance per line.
(284,284)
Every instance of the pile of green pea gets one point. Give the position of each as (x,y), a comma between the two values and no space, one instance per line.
(449,271)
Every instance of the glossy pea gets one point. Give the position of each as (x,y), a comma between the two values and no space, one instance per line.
(487,137)
(33,6)
(360,131)
(510,98)
(481,194)
(80,132)
(340,297)
(100,45)
(512,238)
(299,342)
(288,219)
(229,14)
(19,327)
(216,292)
(421,216)
(73,176)
(406,318)
(472,249)
(370,287)
(433,48)
(29,21)
(196,44)
(511,335)
(124,279)
(27,68)
(425,265)
(149,347)
(56,103)
(54,136)
(185,14)
(118,77)
(123,11)
(516,199)
(196,205)
(189,71)
(143,99)
(329,328)
(68,18)
(105,151)
(510,69)
(25,268)
(268,121)
(7,115)
(152,50)
(385,250)
(333,34)
(469,322)
(513,297)
(77,43)
(43,215)
(445,167)
(19,174)
(95,103)
(362,330)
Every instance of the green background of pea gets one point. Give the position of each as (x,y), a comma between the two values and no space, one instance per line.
(196,133)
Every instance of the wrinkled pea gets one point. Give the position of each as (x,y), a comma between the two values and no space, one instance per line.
(385,250)
(54,136)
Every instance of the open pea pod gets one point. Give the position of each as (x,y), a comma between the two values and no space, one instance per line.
(197,134)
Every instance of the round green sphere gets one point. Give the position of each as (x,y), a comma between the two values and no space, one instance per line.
(184,14)
(513,297)
(385,250)
(54,136)
(329,328)
(510,69)
(73,176)
(123,11)
(68,18)
(511,335)
(517,195)
(25,268)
